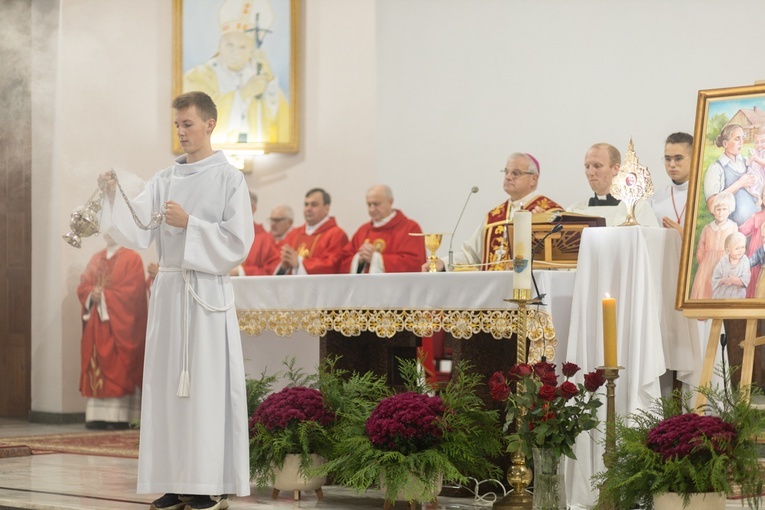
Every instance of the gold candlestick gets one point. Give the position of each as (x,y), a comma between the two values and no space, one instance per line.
(611,374)
(519,476)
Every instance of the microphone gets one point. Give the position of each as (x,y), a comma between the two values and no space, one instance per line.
(361,267)
(282,271)
(474,189)
(557,228)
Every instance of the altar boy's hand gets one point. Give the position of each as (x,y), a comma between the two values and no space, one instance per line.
(175,216)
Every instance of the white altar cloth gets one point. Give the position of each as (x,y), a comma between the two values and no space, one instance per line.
(469,290)
(269,304)
(639,267)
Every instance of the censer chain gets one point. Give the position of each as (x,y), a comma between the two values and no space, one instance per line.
(156,218)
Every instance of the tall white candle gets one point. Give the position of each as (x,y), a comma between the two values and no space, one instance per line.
(522,253)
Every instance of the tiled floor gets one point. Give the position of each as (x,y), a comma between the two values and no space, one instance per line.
(74,482)
(66,481)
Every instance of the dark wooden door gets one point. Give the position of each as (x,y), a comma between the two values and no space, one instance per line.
(15,208)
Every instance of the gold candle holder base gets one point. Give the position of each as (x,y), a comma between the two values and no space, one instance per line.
(519,477)
(610,374)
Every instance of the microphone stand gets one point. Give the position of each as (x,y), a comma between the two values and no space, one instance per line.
(557,228)
(474,189)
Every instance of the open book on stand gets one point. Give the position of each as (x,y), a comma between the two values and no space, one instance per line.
(559,250)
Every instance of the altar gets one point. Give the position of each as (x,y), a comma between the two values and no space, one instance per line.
(275,310)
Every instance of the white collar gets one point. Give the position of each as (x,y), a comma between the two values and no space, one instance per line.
(518,204)
(310,229)
(385,220)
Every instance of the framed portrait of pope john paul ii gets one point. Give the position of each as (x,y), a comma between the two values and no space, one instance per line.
(245,55)
(723,249)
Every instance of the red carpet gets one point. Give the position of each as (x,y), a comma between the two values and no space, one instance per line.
(121,443)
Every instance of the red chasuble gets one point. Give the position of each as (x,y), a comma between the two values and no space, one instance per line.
(112,351)
(400,252)
(322,250)
(264,256)
(496,252)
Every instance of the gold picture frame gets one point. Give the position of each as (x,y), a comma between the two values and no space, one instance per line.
(246,55)
(723,210)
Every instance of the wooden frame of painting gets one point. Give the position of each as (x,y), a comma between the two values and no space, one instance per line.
(245,55)
(722,256)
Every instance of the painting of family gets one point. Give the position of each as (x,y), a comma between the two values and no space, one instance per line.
(726,254)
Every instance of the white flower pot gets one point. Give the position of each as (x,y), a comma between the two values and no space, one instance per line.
(415,489)
(288,478)
(700,501)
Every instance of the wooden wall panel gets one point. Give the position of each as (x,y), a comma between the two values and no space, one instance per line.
(15,208)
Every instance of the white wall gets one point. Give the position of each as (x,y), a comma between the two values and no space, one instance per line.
(462,84)
(428,96)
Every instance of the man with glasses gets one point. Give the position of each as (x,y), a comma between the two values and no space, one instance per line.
(601,164)
(281,220)
(487,248)
(669,203)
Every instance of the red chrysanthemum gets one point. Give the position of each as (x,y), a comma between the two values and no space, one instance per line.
(685,434)
(291,406)
(407,422)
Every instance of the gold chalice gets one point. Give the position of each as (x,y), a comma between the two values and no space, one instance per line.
(432,243)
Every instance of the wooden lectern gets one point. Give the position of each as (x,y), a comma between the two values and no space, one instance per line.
(561,249)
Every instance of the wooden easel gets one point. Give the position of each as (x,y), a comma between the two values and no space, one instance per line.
(751,340)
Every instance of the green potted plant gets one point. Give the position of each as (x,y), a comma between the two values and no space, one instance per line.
(412,440)
(671,452)
(292,430)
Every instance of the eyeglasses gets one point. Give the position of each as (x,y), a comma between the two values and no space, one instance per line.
(515,173)
(676,159)
(277,220)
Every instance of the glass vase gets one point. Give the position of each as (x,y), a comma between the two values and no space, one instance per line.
(549,482)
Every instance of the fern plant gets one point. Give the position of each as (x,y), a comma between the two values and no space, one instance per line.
(454,432)
(671,448)
(301,418)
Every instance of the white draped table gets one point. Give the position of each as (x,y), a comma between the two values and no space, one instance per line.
(639,267)
(461,303)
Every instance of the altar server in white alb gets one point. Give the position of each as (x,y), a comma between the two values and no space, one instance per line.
(194,427)
(669,204)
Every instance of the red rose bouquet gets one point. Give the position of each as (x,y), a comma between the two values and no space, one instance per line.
(553,412)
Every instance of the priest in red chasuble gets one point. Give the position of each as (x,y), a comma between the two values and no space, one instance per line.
(281,220)
(264,256)
(112,292)
(315,247)
(384,245)
(487,248)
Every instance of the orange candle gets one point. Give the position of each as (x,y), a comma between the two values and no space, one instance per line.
(609,331)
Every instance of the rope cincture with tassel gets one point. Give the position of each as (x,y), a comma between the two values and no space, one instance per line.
(184,383)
